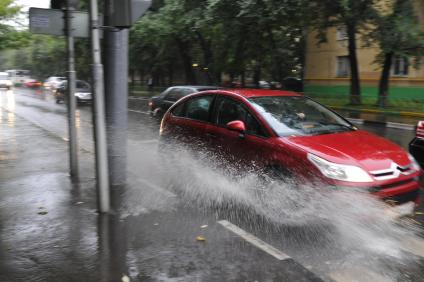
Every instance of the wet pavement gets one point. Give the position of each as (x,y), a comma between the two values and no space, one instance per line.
(50,230)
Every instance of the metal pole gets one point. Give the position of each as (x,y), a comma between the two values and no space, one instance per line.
(116,81)
(102,175)
(73,145)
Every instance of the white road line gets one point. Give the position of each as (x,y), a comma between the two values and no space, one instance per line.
(357,274)
(254,240)
(400,125)
(138,98)
(414,245)
(139,112)
(356,120)
(150,141)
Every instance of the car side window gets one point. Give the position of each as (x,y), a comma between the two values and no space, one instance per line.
(199,108)
(230,110)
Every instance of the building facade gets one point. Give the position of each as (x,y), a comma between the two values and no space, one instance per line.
(327,64)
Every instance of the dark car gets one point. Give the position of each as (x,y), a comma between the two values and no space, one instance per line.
(158,105)
(82,92)
(290,134)
(416,147)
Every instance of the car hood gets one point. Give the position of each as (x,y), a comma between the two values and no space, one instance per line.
(355,148)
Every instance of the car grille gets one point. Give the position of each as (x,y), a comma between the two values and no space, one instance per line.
(403,198)
(393,172)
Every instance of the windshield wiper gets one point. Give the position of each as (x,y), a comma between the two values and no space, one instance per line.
(337,124)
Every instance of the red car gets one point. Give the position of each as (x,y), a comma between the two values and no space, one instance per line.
(33,84)
(288,133)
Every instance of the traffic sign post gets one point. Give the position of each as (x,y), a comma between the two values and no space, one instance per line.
(63,20)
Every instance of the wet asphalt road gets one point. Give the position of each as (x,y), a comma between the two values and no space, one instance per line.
(153,209)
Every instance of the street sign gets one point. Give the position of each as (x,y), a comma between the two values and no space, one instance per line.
(124,13)
(51,21)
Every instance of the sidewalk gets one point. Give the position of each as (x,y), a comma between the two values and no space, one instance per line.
(50,230)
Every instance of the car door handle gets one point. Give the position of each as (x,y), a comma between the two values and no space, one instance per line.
(211,135)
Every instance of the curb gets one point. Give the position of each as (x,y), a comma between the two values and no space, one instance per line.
(387,124)
(374,111)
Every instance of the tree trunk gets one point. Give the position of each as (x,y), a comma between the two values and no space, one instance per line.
(184,50)
(355,88)
(257,76)
(207,57)
(383,87)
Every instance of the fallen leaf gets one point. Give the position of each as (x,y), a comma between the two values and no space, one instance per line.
(155,224)
(419,213)
(203,226)
(200,238)
(125,278)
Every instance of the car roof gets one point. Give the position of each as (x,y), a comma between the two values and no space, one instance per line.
(198,87)
(250,93)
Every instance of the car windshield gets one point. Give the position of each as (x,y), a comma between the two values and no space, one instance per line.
(298,116)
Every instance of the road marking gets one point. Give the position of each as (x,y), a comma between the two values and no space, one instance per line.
(254,240)
(139,112)
(356,120)
(413,245)
(138,98)
(400,125)
(357,274)
(150,141)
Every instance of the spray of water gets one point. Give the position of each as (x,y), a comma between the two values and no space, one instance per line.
(353,221)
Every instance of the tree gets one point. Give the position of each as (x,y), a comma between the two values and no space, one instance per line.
(10,37)
(398,35)
(354,15)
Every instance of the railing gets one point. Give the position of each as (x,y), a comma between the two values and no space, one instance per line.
(394,104)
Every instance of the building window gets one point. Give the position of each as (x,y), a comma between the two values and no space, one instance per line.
(343,66)
(400,66)
(341,33)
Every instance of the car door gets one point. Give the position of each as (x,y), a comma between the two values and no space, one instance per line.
(188,121)
(249,150)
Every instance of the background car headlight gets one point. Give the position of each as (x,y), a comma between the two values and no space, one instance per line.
(341,172)
(414,163)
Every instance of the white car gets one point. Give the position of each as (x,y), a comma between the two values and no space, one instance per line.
(5,81)
(53,82)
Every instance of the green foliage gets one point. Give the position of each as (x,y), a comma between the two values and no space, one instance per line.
(399,33)
(9,36)
(238,37)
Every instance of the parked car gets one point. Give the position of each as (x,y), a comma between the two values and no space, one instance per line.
(287,134)
(158,105)
(33,83)
(82,92)
(53,82)
(416,147)
(5,81)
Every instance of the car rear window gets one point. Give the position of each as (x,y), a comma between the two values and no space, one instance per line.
(177,93)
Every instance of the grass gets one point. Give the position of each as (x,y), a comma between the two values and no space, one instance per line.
(401,99)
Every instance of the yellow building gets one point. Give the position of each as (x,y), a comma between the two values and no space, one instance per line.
(327,64)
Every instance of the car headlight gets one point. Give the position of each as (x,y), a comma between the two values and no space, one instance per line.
(341,172)
(414,163)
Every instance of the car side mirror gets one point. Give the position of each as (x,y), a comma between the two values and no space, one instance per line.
(237,125)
